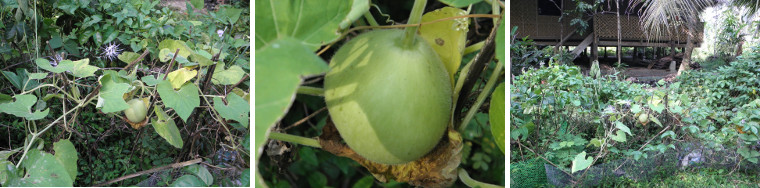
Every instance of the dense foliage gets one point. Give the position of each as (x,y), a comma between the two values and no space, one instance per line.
(69,68)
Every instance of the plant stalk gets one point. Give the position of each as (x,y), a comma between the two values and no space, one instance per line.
(295,139)
(414,18)
(467,180)
(311,91)
(482,96)
(473,48)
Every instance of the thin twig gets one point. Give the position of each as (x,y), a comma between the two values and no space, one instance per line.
(141,57)
(542,157)
(175,165)
(305,119)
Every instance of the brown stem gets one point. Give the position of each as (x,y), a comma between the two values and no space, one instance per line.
(479,62)
(141,57)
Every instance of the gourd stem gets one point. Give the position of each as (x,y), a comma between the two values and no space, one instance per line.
(295,139)
(465,178)
(371,20)
(414,18)
(473,48)
(482,96)
(311,91)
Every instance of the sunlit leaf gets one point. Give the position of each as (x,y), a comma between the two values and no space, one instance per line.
(66,154)
(180,76)
(173,45)
(183,101)
(111,95)
(151,80)
(128,57)
(166,128)
(581,162)
(43,171)
(447,38)
(22,107)
(619,137)
(622,127)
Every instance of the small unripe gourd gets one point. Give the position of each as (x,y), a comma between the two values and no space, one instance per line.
(136,111)
(391,103)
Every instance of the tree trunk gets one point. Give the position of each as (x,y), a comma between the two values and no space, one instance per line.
(689,47)
(739,49)
(619,48)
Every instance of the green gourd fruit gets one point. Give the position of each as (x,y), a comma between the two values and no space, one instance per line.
(390,103)
(136,111)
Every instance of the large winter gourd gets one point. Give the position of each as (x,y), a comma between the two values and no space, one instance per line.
(390,103)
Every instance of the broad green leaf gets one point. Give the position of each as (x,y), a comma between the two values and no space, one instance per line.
(4,173)
(622,127)
(317,179)
(280,69)
(620,136)
(655,120)
(596,142)
(43,170)
(183,101)
(188,181)
(229,14)
(45,64)
(447,38)
(128,57)
(37,76)
(81,68)
(237,109)
(7,153)
(22,107)
(657,107)
(111,96)
(496,115)
(165,127)
(227,76)
(635,108)
(202,173)
(180,76)
(201,59)
(66,154)
(581,162)
(302,21)
(459,3)
(151,80)
(173,45)
(163,55)
(500,43)
(5,98)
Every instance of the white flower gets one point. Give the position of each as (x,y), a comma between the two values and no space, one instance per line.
(220,33)
(111,51)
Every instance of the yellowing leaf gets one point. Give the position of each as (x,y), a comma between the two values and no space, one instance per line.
(173,45)
(447,37)
(581,162)
(227,76)
(180,76)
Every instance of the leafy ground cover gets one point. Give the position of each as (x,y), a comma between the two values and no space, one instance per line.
(70,67)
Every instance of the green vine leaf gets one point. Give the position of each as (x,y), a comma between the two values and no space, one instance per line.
(111,96)
(151,80)
(166,128)
(183,101)
(188,181)
(313,27)
(43,171)
(128,57)
(581,162)
(22,107)
(619,137)
(66,154)
(237,109)
(622,127)
(447,38)
(172,46)
(202,173)
(227,76)
(496,116)
(80,68)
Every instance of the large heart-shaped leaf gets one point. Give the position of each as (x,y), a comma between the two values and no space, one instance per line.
(173,45)
(447,38)
(303,21)
(202,173)
(166,128)
(496,116)
(280,69)
(111,96)
(229,76)
(22,107)
(183,101)
(180,76)
(188,181)
(581,162)
(80,68)
(237,109)
(43,170)
(66,154)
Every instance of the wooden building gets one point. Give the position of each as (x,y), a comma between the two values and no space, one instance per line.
(540,21)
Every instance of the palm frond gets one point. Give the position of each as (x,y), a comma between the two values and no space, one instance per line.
(661,18)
